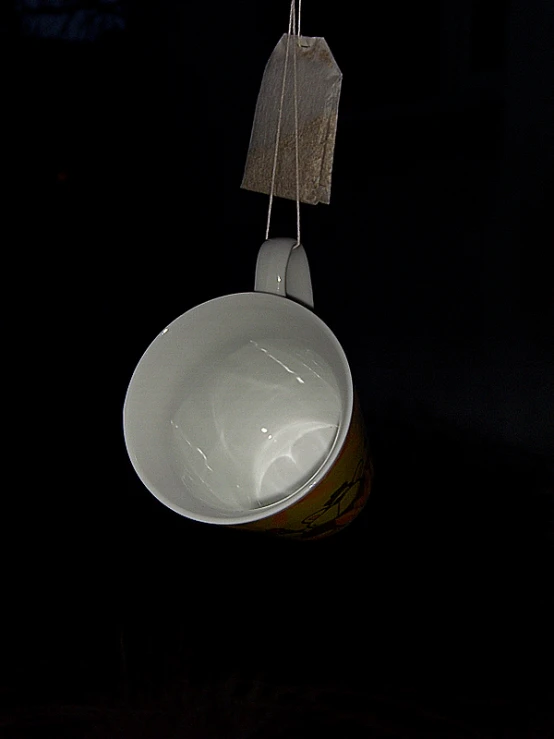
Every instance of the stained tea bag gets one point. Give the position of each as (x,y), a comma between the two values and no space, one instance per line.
(299,95)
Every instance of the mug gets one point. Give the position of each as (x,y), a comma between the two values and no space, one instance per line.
(242,411)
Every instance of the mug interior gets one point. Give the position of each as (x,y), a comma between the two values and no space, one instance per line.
(238,408)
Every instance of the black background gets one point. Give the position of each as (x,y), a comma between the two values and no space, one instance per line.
(434,610)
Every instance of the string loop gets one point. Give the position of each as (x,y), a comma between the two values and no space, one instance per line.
(294,30)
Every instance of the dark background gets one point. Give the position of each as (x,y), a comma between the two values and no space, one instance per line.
(128,125)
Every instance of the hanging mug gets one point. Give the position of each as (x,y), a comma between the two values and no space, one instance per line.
(242,411)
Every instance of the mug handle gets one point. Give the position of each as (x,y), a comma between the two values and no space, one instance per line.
(282,269)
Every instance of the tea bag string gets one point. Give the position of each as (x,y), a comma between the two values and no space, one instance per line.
(294,28)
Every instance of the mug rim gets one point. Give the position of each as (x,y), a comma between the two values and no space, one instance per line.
(257,514)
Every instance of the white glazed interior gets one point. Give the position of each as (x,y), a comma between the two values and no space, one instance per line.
(179,358)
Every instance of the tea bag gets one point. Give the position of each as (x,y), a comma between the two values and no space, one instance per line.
(299,96)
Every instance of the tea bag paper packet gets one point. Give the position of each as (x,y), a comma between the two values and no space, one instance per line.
(300,93)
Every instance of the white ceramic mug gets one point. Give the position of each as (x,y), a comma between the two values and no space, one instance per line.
(242,411)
